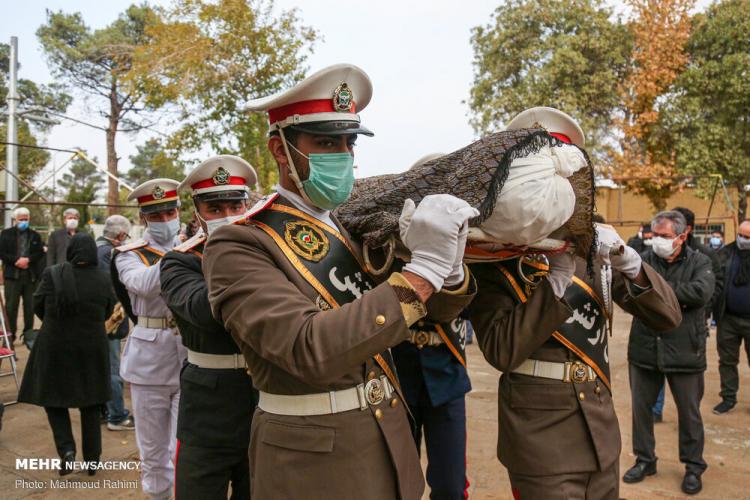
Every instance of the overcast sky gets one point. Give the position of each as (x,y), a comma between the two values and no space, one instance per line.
(417,53)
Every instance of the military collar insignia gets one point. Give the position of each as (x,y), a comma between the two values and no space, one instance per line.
(343,98)
(158,193)
(306,240)
(221,176)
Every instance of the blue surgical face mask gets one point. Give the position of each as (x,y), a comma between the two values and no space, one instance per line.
(23,225)
(164,232)
(715,241)
(743,243)
(331,178)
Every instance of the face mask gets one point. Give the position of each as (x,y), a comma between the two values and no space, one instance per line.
(164,232)
(663,246)
(647,242)
(71,223)
(743,243)
(214,224)
(331,178)
(23,225)
(715,241)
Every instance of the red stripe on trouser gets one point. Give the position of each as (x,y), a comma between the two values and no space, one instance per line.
(516,494)
(466,467)
(176,455)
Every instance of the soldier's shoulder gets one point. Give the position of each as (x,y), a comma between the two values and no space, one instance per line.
(131,246)
(256,209)
(191,243)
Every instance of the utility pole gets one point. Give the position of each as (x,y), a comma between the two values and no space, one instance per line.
(11,150)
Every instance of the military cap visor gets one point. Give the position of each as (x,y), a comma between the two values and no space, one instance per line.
(233,195)
(160,207)
(332,128)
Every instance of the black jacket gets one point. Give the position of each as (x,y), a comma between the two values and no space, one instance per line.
(69,364)
(104,253)
(57,245)
(724,259)
(682,349)
(9,252)
(216,406)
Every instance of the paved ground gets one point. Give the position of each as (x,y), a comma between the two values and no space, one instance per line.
(25,433)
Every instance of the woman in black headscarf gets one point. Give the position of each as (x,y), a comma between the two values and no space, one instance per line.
(69,364)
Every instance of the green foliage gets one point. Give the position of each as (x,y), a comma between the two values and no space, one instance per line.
(566,54)
(31,95)
(706,118)
(95,63)
(210,58)
(152,162)
(81,184)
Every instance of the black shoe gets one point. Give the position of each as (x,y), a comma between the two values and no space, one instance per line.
(658,418)
(691,484)
(724,407)
(639,471)
(66,467)
(92,470)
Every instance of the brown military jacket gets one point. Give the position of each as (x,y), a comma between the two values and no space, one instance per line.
(293,347)
(548,426)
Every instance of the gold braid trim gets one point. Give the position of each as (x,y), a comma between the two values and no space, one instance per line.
(412,308)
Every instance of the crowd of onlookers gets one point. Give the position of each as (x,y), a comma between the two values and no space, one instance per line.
(712,285)
(75,358)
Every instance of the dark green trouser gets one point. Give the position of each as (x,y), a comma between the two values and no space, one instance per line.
(15,290)
(732,329)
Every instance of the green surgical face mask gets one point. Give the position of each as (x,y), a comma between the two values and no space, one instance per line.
(331,178)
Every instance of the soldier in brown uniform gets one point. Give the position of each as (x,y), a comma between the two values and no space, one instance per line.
(314,328)
(558,432)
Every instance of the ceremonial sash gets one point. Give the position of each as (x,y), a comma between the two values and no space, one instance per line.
(584,333)
(453,335)
(150,256)
(324,257)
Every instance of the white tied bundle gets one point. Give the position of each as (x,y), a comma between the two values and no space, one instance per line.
(537,198)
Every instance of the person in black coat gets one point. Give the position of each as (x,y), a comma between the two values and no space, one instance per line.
(22,252)
(69,364)
(679,355)
(60,238)
(217,398)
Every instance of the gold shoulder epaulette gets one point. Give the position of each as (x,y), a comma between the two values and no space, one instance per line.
(191,243)
(131,246)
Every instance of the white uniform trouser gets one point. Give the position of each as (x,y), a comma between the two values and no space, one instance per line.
(155,408)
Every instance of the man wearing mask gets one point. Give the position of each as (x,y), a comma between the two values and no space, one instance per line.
(153,355)
(57,245)
(315,328)
(217,399)
(732,314)
(716,242)
(678,354)
(641,241)
(21,250)
(116,229)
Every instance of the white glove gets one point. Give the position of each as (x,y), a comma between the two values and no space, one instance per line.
(628,263)
(562,267)
(456,276)
(431,232)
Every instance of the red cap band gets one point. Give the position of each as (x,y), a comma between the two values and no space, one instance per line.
(304,108)
(168,196)
(562,137)
(207,183)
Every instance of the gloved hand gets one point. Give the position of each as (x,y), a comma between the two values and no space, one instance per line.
(456,276)
(431,232)
(562,267)
(628,262)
